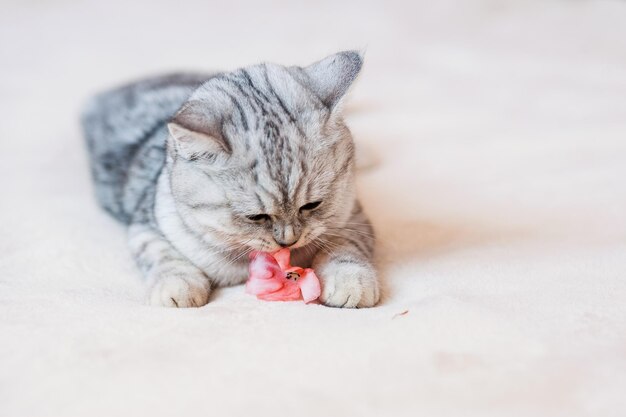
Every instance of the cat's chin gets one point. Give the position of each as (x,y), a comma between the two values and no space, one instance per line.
(300,244)
(275,248)
(262,247)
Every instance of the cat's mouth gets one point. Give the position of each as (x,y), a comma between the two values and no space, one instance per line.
(266,245)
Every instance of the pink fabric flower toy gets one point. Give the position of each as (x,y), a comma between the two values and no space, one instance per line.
(273,279)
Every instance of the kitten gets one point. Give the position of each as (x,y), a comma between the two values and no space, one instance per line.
(205,168)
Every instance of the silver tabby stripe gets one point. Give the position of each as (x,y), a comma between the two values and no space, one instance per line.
(206,167)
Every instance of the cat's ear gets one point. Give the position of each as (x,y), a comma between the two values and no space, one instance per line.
(196,132)
(331,77)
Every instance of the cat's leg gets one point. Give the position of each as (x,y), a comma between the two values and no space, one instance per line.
(172,279)
(344,265)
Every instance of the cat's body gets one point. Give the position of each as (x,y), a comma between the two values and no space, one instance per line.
(205,168)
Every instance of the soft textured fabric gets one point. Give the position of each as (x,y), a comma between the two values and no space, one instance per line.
(495,135)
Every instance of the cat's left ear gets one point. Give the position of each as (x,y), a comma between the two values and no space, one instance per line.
(196,131)
(331,77)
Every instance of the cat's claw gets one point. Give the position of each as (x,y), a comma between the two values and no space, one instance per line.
(175,291)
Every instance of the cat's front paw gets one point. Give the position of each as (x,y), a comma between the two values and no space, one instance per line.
(349,285)
(178,291)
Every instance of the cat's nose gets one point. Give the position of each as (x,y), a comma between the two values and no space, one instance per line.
(286,244)
(286,236)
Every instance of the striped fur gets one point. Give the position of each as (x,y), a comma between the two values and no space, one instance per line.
(205,168)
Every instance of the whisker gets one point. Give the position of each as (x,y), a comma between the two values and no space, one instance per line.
(246,251)
(352,229)
(331,245)
(320,246)
(363,234)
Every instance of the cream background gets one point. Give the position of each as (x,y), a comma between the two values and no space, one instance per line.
(498,130)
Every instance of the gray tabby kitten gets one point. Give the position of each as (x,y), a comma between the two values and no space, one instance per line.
(205,168)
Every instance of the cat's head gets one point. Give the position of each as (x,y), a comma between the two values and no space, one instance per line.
(260,157)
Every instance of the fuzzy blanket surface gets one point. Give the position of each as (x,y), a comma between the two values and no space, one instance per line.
(495,132)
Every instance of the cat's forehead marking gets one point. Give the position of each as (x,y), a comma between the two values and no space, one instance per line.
(279,185)
(275,121)
(275,139)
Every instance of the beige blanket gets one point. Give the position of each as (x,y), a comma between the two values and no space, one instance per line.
(496,131)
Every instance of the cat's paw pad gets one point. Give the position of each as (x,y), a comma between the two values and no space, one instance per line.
(349,285)
(176,291)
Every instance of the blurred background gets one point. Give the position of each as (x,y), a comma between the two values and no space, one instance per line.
(497,133)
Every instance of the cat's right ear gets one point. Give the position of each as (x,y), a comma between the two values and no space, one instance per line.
(331,77)
(196,133)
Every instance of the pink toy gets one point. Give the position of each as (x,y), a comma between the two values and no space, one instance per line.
(273,279)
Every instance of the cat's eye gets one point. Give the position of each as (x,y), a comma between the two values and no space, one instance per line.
(259,217)
(310,206)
